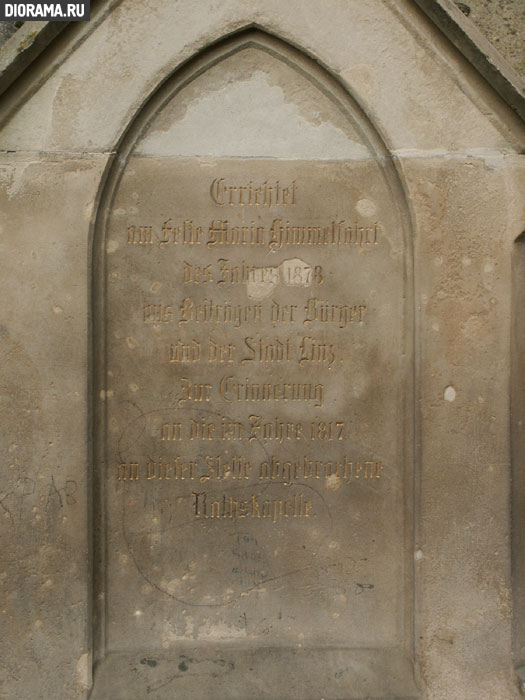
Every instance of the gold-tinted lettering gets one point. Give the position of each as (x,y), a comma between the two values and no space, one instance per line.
(209,312)
(231,430)
(219,353)
(266,351)
(185,353)
(128,472)
(274,510)
(266,195)
(171,431)
(140,235)
(319,311)
(157,313)
(283,313)
(234,390)
(201,430)
(194,392)
(170,234)
(313,351)
(195,274)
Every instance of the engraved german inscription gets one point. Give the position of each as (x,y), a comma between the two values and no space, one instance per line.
(306,337)
(255,382)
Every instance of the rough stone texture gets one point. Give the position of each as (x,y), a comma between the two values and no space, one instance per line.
(503,23)
(45,564)
(7,29)
(336,534)
(455,147)
(466,314)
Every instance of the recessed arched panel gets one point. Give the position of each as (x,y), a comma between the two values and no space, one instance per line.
(254,394)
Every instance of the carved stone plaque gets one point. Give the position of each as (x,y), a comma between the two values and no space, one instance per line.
(255,392)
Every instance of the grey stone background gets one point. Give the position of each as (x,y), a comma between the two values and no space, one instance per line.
(458,149)
(7,29)
(501,21)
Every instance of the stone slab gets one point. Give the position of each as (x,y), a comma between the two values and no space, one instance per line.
(402,586)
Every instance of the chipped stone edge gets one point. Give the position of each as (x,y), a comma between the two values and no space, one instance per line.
(23,47)
(478,50)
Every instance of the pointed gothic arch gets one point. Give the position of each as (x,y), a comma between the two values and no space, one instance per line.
(399,663)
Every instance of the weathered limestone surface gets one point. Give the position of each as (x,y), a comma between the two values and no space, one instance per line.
(393,586)
(503,23)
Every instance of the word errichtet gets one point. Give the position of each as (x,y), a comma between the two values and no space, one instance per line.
(251,195)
